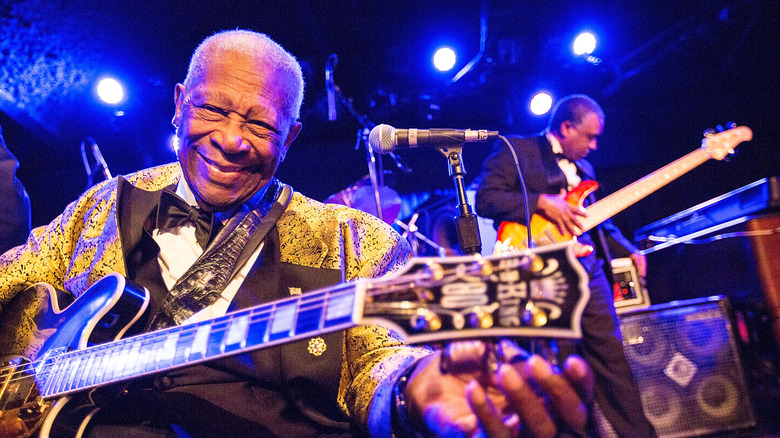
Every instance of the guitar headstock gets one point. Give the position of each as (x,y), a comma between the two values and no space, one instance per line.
(721,142)
(538,293)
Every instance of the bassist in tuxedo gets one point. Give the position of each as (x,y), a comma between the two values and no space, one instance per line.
(552,163)
(215,232)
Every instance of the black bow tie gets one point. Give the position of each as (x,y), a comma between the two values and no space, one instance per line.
(175,212)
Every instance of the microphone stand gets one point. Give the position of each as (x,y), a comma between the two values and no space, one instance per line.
(466,222)
(373,162)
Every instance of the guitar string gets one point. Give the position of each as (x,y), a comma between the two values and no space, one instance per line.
(28,369)
(303,301)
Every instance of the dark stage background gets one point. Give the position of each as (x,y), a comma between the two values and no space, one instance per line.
(668,71)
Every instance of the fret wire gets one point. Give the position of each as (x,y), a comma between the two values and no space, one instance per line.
(184,344)
(655,180)
(145,346)
(99,364)
(132,356)
(87,369)
(49,378)
(100,357)
(60,376)
(73,370)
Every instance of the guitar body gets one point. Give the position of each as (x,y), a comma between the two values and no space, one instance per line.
(33,326)
(58,354)
(544,232)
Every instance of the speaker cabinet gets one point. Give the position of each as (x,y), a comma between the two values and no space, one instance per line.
(686,363)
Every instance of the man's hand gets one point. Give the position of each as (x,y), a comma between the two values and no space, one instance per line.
(477,398)
(563,215)
(640,261)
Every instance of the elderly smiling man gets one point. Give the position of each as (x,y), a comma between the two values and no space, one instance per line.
(236,117)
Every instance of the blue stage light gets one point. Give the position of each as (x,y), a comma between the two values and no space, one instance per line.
(541,103)
(444,59)
(584,44)
(110,91)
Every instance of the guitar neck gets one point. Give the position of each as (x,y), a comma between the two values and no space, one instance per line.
(618,201)
(279,322)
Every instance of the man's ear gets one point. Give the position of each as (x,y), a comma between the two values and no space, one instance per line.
(291,135)
(565,128)
(178,99)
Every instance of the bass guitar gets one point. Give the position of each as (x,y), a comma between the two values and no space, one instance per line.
(512,235)
(538,293)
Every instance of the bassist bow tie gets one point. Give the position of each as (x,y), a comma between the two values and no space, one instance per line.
(175,212)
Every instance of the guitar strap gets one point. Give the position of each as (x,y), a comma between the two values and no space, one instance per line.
(206,279)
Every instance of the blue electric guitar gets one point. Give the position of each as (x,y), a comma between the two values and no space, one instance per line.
(538,293)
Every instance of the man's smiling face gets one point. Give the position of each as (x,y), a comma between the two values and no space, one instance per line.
(232,129)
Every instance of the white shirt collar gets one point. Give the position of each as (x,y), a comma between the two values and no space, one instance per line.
(556,145)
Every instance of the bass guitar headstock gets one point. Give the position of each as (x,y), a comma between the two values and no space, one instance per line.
(720,142)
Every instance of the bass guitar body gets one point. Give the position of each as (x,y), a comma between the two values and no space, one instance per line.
(512,235)
(34,327)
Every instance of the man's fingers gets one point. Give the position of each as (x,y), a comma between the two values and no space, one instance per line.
(530,408)
(580,376)
(565,402)
(489,418)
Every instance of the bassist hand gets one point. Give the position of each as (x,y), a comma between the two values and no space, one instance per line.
(560,213)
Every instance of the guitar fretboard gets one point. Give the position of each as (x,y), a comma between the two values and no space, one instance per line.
(282,321)
(629,195)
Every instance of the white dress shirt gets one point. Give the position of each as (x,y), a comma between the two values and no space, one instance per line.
(569,168)
(179,249)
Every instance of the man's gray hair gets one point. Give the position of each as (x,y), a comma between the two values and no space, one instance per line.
(260,47)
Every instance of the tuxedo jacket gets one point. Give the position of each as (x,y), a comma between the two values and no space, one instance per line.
(499,195)
(312,245)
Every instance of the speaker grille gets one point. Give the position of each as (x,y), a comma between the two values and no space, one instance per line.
(686,363)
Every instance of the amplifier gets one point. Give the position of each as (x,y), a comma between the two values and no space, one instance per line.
(687,365)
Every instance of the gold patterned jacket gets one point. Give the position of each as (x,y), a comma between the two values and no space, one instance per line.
(82,245)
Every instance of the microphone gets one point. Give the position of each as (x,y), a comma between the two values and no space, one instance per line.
(330,86)
(385,138)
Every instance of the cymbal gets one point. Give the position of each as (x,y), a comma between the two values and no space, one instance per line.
(361,197)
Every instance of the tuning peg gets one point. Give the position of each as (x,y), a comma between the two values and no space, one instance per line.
(426,320)
(479,318)
(435,270)
(709,133)
(720,128)
(533,315)
(731,125)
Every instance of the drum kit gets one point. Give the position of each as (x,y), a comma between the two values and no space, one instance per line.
(372,196)
(385,203)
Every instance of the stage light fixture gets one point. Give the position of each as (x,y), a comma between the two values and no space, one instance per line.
(110,91)
(444,59)
(541,103)
(584,44)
